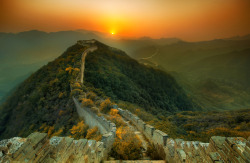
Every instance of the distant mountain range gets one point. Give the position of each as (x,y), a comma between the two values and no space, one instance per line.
(192,63)
(199,65)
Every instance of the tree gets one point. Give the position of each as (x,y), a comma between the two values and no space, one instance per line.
(87,102)
(58,132)
(127,145)
(91,95)
(116,118)
(94,134)
(79,131)
(106,105)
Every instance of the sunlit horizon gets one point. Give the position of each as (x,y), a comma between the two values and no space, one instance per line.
(195,20)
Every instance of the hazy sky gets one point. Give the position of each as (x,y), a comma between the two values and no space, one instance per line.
(186,19)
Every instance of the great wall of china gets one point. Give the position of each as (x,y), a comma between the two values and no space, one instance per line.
(37,147)
(219,149)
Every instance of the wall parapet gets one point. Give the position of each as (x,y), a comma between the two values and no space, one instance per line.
(219,149)
(154,136)
(107,128)
(37,147)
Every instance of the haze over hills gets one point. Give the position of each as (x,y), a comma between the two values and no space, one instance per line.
(25,52)
(219,64)
(117,80)
(43,102)
(174,57)
(190,62)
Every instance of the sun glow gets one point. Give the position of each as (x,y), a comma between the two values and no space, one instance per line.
(112,31)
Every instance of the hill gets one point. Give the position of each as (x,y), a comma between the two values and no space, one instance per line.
(175,56)
(197,66)
(25,52)
(233,66)
(33,49)
(43,101)
(219,82)
(122,78)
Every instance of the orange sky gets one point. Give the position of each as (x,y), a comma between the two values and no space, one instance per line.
(187,19)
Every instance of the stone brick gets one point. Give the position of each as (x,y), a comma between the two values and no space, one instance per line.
(181,155)
(215,156)
(160,137)
(149,131)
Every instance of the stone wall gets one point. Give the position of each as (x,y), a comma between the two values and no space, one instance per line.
(38,148)
(219,149)
(107,128)
(154,136)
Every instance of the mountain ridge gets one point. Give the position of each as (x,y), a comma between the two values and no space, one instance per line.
(46,93)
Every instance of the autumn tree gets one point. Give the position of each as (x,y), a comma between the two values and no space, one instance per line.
(116,118)
(106,105)
(87,102)
(50,131)
(76,92)
(79,131)
(58,132)
(91,95)
(94,134)
(127,145)
(77,85)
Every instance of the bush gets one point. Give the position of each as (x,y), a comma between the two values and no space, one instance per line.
(156,152)
(95,110)
(76,92)
(77,85)
(127,145)
(79,131)
(94,134)
(106,105)
(91,95)
(87,102)
(116,118)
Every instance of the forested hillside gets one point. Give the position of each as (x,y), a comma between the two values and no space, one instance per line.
(23,53)
(42,102)
(123,78)
(220,82)
(214,73)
